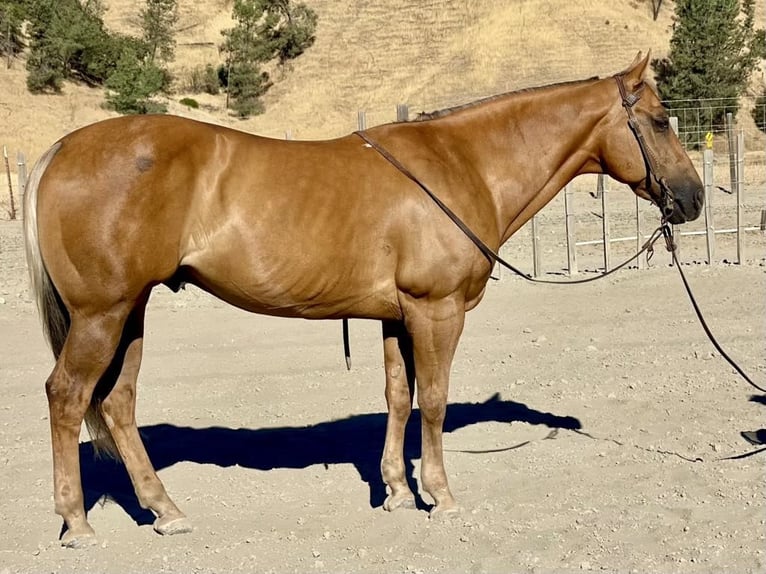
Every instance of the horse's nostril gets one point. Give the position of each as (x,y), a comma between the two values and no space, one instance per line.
(699,198)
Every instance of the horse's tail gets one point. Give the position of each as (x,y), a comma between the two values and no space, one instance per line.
(53,312)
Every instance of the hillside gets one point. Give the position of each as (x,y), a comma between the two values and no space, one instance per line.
(371,56)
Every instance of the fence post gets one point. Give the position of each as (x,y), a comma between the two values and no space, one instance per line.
(535,247)
(639,235)
(740,174)
(707,163)
(731,141)
(602,191)
(12,205)
(361,120)
(402,113)
(21,165)
(569,221)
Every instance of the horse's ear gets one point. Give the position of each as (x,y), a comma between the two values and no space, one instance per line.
(636,72)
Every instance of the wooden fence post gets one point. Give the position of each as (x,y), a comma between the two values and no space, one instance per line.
(569,221)
(402,113)
(361,120)
(21,165)
(707,162)
(12,205)
(602,191)
(740,175)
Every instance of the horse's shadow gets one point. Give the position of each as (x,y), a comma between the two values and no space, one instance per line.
(356,440)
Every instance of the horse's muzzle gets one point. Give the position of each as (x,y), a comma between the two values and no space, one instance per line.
(686,206)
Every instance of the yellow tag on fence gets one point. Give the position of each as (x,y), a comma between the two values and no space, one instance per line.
(709,140)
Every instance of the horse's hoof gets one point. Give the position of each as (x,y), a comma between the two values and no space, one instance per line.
(79,539)
(168,525)
(444,512)
(402,501)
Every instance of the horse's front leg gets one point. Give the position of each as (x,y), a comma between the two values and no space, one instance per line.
(435,328)
(400,388)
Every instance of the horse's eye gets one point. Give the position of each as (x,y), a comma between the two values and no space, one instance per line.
(661,123)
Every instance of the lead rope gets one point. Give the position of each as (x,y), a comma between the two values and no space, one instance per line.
(668,233)
(663,231)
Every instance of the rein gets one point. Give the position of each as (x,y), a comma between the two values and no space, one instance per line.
(487,251)
(665,203)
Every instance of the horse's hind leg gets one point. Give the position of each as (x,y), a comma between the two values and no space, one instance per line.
(118,410)
(400,382)
(85,356)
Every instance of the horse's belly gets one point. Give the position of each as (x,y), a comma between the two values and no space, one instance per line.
(292,285)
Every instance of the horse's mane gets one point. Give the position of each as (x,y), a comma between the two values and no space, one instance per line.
(425,116)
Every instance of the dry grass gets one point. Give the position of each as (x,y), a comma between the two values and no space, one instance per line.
(371,56)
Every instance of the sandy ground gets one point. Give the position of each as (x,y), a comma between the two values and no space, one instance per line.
(589,428)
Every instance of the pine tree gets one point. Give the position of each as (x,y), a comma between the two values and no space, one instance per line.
(11,37)
(135,80)
(713,51)
(158,18)
(265,30)
(68,40)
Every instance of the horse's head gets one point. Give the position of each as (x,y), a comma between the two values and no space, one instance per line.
(642,150)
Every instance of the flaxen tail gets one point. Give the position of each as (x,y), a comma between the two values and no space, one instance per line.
(54,314)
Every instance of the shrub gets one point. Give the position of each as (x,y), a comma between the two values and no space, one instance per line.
(201,79)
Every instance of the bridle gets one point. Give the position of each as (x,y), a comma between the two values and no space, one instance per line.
(666,200)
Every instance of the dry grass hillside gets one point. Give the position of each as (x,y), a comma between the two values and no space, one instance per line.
(371,56)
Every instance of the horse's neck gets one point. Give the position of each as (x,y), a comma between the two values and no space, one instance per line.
(532,144)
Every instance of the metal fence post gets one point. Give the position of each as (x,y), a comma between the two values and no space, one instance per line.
(740,174)
(707,162)
(535,247)
(639,235)
(570,224)
(602,191)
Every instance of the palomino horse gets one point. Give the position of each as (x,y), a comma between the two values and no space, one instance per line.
(317,230)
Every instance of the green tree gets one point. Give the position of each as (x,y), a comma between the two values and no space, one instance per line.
(713,51)
(135,80)
(759,111)
(68,40)
(265,30)
(11,18)
(158,18)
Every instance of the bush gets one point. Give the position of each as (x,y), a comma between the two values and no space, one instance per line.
(201,79)
(132,85)
(68,41)
(189,103)
(759,111)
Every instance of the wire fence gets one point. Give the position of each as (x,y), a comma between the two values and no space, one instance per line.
(698,118)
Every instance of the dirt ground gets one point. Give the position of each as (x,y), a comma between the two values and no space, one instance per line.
(589,428)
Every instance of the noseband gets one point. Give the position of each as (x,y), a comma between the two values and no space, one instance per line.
(666,200)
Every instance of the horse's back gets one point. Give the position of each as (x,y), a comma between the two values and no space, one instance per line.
(309,229)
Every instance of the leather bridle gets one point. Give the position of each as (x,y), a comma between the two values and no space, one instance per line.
(666,200)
